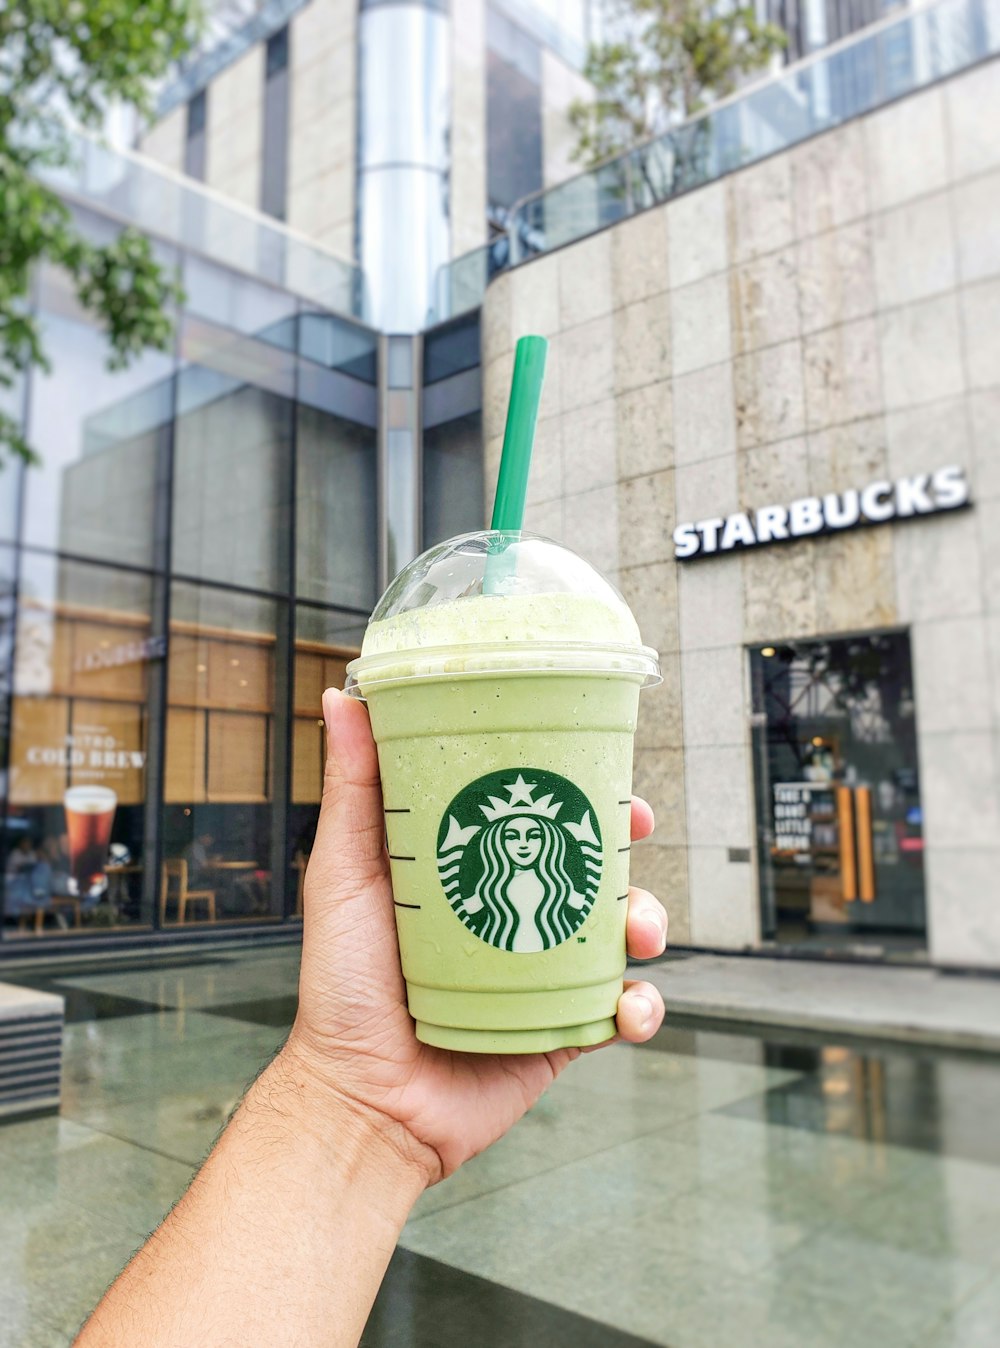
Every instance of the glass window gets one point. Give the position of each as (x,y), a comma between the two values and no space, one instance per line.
(336,510)
(453,479)
(76,791)
(838,795)
(232,461)
(450,349)
(99,434)
(274,158)
(339,346)
(513,113)
(325,640)
(194,140)
(217,788)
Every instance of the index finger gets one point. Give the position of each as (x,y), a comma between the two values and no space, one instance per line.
(642,818)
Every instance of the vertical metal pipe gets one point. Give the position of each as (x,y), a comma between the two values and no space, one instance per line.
(866,858)
(848,865)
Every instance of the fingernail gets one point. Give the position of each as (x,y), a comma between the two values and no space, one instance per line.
(328,698)
(645,1007)
(658,921)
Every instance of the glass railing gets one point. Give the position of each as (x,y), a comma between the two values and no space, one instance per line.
(182,212)
(854,77)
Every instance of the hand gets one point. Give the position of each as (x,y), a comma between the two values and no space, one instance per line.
(353,1032)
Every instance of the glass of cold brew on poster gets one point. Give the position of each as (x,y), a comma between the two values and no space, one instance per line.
(90,814)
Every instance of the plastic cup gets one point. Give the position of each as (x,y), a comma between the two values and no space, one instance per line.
(90,814)
(504,717)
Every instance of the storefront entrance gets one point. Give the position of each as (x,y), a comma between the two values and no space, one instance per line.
(839,821)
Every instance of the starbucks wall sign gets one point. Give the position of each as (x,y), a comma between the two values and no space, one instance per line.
(519,857)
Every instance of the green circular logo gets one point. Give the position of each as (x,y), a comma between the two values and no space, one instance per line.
(519,855)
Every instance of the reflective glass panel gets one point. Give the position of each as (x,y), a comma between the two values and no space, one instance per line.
(453,479)
(74,826)
(218,775)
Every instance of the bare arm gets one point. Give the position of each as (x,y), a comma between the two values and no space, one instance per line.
(282,1238)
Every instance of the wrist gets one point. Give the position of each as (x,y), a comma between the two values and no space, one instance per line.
(356,1132)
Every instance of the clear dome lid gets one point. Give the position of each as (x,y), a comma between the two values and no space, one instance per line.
(491,602)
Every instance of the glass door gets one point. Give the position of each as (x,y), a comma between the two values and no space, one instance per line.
(839,821)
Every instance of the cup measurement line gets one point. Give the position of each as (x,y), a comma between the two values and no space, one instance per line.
(620,897)
(394,857)
(397,904)
(625,802)
(406,811)
(624,849)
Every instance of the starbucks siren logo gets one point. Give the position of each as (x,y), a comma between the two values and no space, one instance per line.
(519,856)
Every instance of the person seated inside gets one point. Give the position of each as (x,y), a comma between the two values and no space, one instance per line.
(198,855)
(55,851)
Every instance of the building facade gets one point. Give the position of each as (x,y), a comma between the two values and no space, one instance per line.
(770,415)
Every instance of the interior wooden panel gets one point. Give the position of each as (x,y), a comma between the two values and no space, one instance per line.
(237,757)
(38,724)
(187,679)
(184,772)
(239,676)
(93,642)
(307,761)
(124,723)
(308,684)
(334,671)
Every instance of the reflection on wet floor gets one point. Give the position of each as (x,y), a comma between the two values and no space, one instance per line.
(725,1185)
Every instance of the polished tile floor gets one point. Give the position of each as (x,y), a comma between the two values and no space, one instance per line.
(716,1188)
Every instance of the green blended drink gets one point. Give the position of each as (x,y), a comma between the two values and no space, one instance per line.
(502,675)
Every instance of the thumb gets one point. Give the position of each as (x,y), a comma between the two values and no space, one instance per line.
(349,852)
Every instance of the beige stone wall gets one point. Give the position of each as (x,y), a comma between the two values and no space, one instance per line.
(468,126)
(164,142)
(827,317)
(234,128)
(322,123)
(561,84)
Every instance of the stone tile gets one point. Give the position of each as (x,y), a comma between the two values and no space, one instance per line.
(661,721)
(905,147)
(914,250)
(704,415)
(855,581)
(534,297)
(993,650)
(545,481)
(592,521)
(836,276)
(639,266)
(972,1325)
(842,374)
(697,232)
(651,594)
(961,906)
(586,364)
(938,568)
(972,106)
(495,322)
(921,352)
(771,474)
(663,871)
(585,280)
(976,205)
(658,777)
(644,429)
(724,909)
(641,343)
(714,697)
(924,438)
(710,598)
(496,393)
(707,490)
(765,302)
(988,525)
(984,417)
(699,315)
(760,209)
(952,674)
(980,306)
(547,518)
(647,514)
(847,456)
(590,456)
(779,592)
(769,395)
(958,788)
(829,181)
(718,803)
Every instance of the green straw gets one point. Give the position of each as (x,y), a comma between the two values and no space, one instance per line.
(519,437)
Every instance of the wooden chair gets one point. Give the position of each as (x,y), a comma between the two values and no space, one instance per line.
(176,868)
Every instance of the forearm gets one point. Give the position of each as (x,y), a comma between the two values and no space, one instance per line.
(282,1238)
